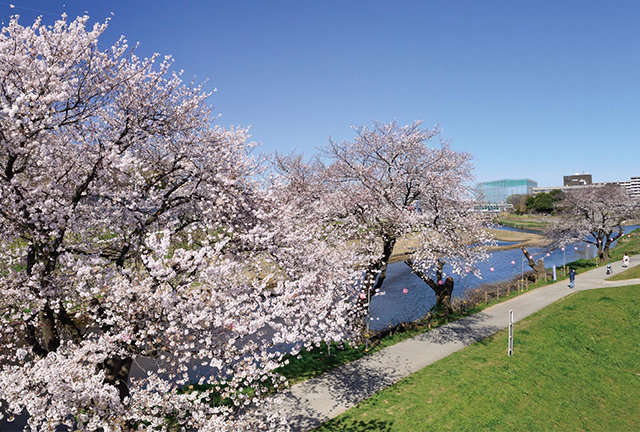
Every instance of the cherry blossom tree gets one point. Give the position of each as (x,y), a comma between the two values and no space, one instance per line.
(391,183)
(131,228)
(316,245)
(593,215)
(456,237)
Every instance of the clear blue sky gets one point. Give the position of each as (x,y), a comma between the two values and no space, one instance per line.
(535,89)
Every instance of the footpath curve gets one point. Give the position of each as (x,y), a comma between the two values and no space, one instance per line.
(313,402)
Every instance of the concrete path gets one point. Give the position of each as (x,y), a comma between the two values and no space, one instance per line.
(317,400)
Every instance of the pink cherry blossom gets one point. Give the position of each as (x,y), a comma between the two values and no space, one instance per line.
(134,231)
(594,215)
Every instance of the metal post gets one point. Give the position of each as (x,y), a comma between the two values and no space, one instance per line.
(510,347)
(368,318)
(522,273)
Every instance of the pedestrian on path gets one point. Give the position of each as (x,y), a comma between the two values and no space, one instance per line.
(625,260)
(572,278)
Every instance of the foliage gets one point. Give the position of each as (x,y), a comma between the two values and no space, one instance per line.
(529,202)
(543,203)
(557,195)
(519,203)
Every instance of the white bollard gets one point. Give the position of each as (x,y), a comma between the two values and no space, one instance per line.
(510,347)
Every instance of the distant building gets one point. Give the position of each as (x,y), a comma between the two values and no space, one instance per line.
(546,189)
(495,192)
(633,187)
(577,180)
(490,209)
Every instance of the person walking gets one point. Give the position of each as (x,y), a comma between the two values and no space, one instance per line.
(625,260)
(572,278)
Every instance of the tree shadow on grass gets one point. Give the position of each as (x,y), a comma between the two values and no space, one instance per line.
(357,426)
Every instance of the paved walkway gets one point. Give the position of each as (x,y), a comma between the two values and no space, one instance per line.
(317,400)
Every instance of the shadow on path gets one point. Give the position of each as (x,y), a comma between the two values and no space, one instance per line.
(344,387)
(466,331)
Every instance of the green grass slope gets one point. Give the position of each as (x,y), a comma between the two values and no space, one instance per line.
(632,273)
(576,366)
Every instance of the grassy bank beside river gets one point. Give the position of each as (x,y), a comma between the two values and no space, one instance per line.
(405,246)
(575,367)
(527,221)
(317,361)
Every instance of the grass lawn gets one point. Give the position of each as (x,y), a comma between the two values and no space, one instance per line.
(526,221)
(576,366)
(632,273)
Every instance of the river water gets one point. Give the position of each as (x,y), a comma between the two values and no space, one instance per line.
(392,306)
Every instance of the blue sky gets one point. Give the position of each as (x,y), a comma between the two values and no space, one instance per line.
(536,89)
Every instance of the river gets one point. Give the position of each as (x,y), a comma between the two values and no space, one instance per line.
(393,306)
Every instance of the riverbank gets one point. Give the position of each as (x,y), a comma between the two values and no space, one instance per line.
(533,222)
(571,370)
(517,239)
(405,246)
(314,363)
(314,401)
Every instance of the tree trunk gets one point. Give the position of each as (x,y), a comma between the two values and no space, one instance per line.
(116,369)
(538,266)
(375,276)
(442,288)
(117,373)
(444,291)
(609,239)
(49,332)
(377,272)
